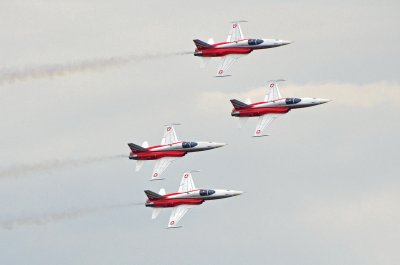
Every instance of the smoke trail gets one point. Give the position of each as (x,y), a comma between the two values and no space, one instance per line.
(24,169)
(9,76)
(57,217)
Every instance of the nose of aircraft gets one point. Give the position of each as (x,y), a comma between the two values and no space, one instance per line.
(285,42)
(236,192)
(323,100)
(217,145)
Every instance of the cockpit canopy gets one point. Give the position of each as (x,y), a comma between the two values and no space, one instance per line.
(292,101)
(206,192)
(254,41)
(188,144)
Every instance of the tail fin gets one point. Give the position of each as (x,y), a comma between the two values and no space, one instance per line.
(201,45)
(238,104)
(152,195)
(136,148)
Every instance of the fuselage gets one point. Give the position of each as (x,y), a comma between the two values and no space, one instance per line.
(244,46)
(177,149)
(194,197)
(281,106)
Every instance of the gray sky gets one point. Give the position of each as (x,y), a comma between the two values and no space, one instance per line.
(322,189)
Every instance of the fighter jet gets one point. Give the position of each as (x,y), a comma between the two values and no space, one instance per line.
(169,150)
(271,108)
(235,47)
(187,197)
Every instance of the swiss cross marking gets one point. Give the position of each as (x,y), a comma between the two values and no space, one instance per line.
(258,132)
(172,222)
(168,129)
(155,174)
(234,25)
(220,72)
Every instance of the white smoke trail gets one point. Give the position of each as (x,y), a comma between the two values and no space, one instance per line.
(25,169)
(57,217)
(10,76)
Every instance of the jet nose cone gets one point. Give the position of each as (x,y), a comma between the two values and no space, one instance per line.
(285,42)
(217,145)
(323,100)
(236,192)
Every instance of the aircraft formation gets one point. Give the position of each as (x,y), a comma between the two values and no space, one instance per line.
(170,148)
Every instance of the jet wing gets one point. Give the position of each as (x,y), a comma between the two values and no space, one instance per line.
(169,135)
(263,122)
(187,183)
(226,62)
(235,32)
(161,166)
(274,93)
(177,213)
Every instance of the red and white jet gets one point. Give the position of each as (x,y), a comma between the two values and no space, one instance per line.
(271,108)
(187,197)
(235,47)
(169,150)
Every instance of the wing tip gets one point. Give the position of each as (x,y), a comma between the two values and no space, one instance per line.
(260,135)
(173,123)
(173,226)
(222,75)
(238,21)
(152,179)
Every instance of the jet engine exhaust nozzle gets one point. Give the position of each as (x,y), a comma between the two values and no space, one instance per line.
(134,157)
(149,204)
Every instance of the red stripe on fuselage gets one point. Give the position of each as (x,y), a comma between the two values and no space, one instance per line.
(165,202)
(251,112)
(218,52)
(151,155)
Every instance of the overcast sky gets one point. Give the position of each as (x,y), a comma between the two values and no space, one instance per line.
(322,189)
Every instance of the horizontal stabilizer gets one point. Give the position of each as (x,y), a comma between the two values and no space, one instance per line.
(136,148)
(238,104)
(152,195)
(156,212)
(242,121)
(201,44)
(139,165)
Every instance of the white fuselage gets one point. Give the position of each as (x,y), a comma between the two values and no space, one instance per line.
(254,44)
(291,103)
(205,194)
(187,146)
